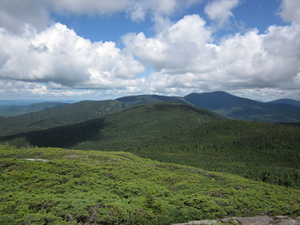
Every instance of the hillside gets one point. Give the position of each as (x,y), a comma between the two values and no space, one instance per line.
(286,101)
(238,108)
(59,116)
(220,102)
(183,134)
(60,186)
(145,121)
(24,109)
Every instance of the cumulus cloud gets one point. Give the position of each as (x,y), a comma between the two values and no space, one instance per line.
(290,10)
(61,58)
(176,48)
(220,10)
(184,56)
(14,14)
(42,59)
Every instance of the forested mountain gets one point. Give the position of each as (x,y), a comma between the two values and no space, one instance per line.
(220,102)
(244,109)
(184,134)
(146,99)
(59,116)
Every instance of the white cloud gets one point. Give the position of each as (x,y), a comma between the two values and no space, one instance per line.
(55,61)
(14,14)
(290,10)
(220,10)
(28,90)
(184,57)
(57,55)
(176,48)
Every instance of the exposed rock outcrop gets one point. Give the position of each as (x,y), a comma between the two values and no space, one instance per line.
(257,220)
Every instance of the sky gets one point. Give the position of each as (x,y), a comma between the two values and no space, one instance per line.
(99,49)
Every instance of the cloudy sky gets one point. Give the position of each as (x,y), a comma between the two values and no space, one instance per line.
(99,49)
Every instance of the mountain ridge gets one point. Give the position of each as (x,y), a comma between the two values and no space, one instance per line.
(17,110)
(286,101)
(239,108)
(228,105)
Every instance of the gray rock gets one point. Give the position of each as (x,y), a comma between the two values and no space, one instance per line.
(258,220)
(229,220)
(280,217)
(288,222)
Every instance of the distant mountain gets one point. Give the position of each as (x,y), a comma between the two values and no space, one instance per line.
(286,101)
(222,103)
(244,109)
(59,116)
(23,102)
(17,110)
(146,99)
(217,100)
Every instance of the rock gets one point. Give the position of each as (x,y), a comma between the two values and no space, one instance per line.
(280,217)
(287,222)
(200,222)
(258,220)
(38,160)
(230,220)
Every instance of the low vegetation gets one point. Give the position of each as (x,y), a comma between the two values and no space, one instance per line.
(61,186)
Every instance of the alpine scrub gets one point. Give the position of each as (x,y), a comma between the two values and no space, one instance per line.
(61,186)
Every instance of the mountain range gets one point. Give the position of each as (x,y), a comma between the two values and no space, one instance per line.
(245,109)
(230,106)
(225,104)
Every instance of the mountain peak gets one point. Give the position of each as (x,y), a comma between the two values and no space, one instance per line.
(216,100)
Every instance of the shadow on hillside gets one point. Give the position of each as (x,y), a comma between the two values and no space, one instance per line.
(62,137)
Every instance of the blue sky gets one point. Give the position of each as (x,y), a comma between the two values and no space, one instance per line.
(107,49)
(249,14)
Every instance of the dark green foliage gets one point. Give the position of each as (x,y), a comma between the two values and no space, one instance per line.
(92,187)
(59,116)
(64,137)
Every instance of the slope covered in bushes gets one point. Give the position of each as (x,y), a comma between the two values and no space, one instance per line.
(60,186)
